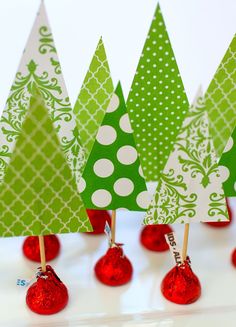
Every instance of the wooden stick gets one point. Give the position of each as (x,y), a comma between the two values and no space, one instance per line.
(185,242)
(113,226)
(42,253)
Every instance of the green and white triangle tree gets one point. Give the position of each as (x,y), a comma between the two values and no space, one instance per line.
(93,98)
(39,66)
(40,69)
(190,187)
(157,102)
(113,176)
(221,100)
(39,194)
(221,105)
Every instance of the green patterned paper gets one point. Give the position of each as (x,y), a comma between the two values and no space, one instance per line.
(190,187)
(94,98)
(40,66)
(39,194)
(221,100)
(227,164)
(113,177)
(157,102)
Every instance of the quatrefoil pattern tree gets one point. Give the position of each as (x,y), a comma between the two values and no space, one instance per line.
(157,102)
(93,98)
(39,194)
(113,177)
(221,100)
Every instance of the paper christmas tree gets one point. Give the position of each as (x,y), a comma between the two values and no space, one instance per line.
(39,194)
(94,98)
(221,100)
(157,102)
(112,177)
(190,187)
(227,164)
(40,66)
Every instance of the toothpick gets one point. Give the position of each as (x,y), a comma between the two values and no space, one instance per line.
(42,253)
(113,226)
(185,242)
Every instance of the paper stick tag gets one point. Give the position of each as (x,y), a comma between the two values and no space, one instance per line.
(26,282)
(107,231)
(176,253)
(22,282)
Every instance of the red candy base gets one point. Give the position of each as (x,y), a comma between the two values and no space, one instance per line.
(48,295)
(181,285)
(221,224)
(31,247)
(114,268)
(153,237)
(233,258)
(98,219)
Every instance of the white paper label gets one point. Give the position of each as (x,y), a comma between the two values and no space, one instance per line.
(176,253)
(107,231)
(22,282)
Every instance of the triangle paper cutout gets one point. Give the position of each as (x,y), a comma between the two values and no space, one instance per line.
(39,194)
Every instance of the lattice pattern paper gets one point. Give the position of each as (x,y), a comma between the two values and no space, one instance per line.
(39,194)
(94,98)
(221,100)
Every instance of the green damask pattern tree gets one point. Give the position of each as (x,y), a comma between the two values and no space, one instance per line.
(39,194)
(157,102)
(190,187)
(40,67)
(93,98)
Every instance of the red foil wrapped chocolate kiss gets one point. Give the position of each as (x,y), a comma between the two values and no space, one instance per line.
(48,295)
(152,237)
(221,224)
(114,268)
(233,258)
(98,219)
(181,285)
(31,247)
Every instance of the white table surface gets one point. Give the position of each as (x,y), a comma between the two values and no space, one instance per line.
(138,303)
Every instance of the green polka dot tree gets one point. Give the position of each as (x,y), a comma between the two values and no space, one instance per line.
(157,102)
(39,194)
(112,177)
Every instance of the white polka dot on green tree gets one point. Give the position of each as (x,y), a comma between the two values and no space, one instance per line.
(157,103)
(113,172)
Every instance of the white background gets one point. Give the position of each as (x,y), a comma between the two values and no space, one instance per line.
(200,32)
